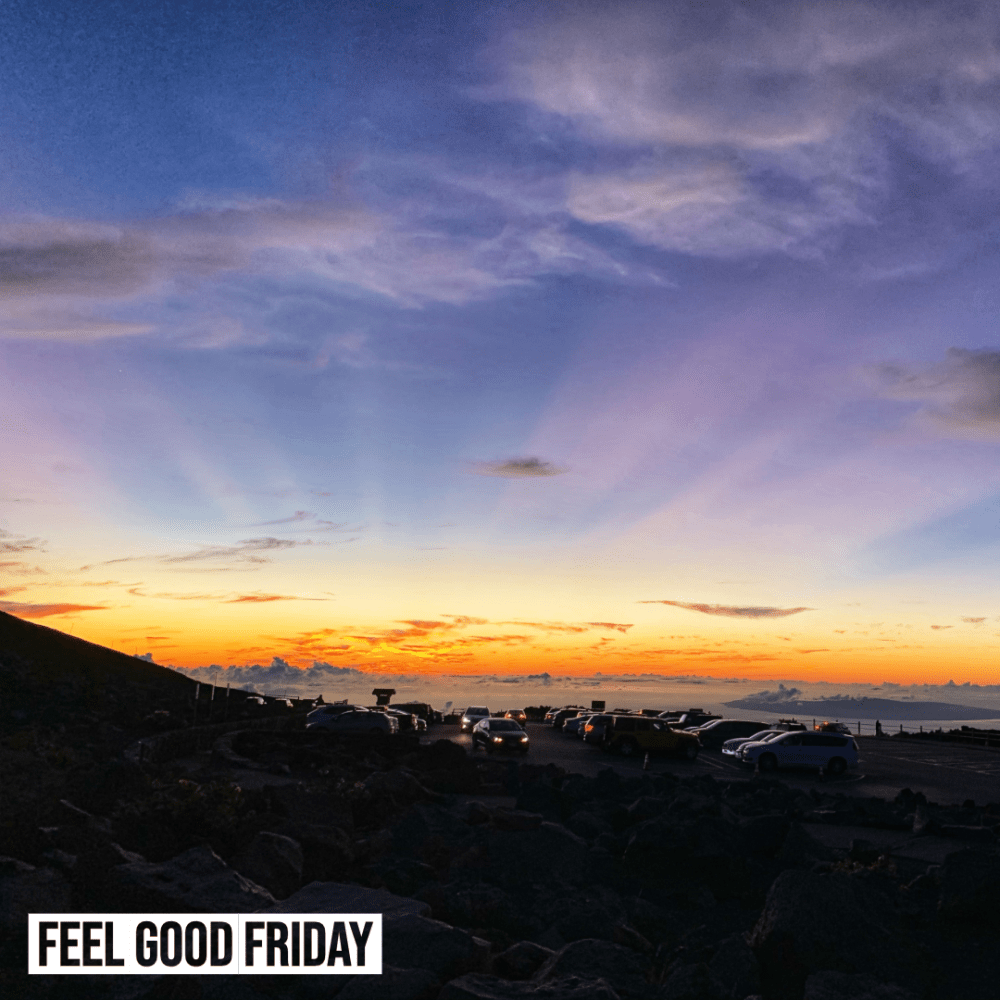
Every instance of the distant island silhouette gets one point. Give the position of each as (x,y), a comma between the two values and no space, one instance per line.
(866,708)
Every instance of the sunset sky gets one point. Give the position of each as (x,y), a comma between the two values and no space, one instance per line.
(505,338)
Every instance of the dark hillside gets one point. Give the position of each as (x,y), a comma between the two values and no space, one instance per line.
(51,677)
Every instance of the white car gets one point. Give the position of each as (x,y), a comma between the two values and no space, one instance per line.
(472,715)
(833,753)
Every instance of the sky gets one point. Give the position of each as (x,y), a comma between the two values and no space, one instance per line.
(503,340)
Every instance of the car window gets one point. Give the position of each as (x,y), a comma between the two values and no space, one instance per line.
(791,741)
(505,725)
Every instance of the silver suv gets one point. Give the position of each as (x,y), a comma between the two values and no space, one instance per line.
(833,753)
(355,722)
(472,715)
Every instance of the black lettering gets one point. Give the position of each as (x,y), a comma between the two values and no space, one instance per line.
(43,940)
(66,942)
(339,948)
(296,927)
(277,936)
(189,949)
(251,941)
(309,957)
(220,926)
(145,951)
(109,945)
(90,942)
(171,929)
(361,939)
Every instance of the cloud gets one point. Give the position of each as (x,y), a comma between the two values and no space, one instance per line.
(245,551)
(45,610)
(299,515)
(781,694)
(518,468)
(973,621)
(961,395)
(731,611)
(265,598)
(942,626)
(11,544)
(614,625)
(755,128)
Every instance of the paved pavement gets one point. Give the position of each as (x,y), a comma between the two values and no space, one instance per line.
(945,773)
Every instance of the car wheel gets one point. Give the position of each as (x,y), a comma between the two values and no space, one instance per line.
(836,767)
(767,762)
(690,751)
(628,748)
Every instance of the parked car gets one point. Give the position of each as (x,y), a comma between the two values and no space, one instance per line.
(830,752)
(472,715)
(573,726)
(517,714)
(357,722)
(832,727)
(593,729)
(688,719)
(499,734)
(328,711)
(420,709)
(408,721)
(731,747)
(562,716)
(713,734)
(633,734)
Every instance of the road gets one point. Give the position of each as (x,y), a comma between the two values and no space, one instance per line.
(945,773)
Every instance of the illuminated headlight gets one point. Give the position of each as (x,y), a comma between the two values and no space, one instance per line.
(524,739)
(498,739)
(465,718)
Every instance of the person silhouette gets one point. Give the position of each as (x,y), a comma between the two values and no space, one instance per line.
(878,727)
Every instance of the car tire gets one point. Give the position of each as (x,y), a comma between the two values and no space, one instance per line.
(628,748)
(690,752)
(767,762)
(836,767)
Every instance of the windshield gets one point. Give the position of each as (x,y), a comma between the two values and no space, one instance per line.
(505,724)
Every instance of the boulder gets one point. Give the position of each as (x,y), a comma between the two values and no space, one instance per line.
(693,981)
(735,966)
(626,971)
(516,819)
(521,960)
(585,824)
(548,853)
(482,987)
(970,886)
(476,904)
(393,984)
(812,922)
(830,985)
(339,897)
(414,942)
(273,861)
(26,889)
(197,881)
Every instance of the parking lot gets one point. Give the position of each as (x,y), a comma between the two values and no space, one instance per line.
(945,773)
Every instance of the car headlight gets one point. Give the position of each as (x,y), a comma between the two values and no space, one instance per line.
(498,739)
(524,739)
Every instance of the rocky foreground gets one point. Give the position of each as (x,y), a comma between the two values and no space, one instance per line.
(502,880)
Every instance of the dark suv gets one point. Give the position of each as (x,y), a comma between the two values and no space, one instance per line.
(634,734)
(713,734)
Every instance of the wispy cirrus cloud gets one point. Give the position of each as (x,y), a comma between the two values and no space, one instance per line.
(248,550)
(960,395)
(518,468)
(615,625)
(46,610)
(267,598)
(732,611)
